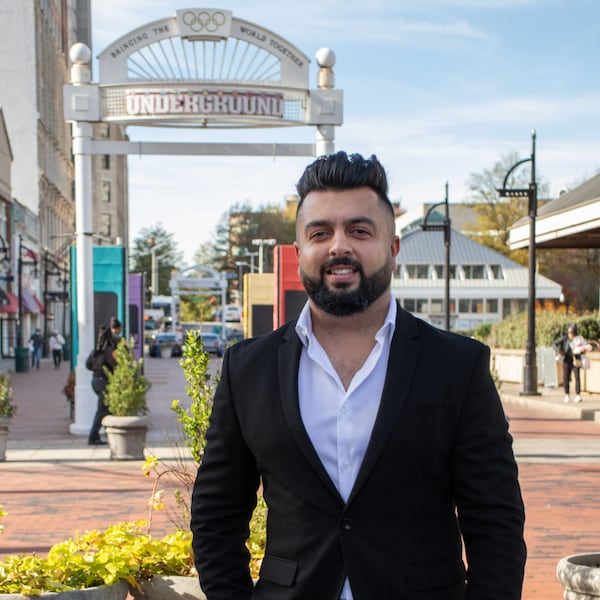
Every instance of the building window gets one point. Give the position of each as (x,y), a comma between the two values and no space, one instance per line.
(439,271)
(437,307)
(409,304)
(464,305)
(105,224)
(105,162)
(497,271)
(474,271)
(417,271)
(105,191)
(477,305)
(422,305)
(506,307)
(492,306)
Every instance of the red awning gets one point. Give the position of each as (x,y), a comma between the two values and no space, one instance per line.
(9,303)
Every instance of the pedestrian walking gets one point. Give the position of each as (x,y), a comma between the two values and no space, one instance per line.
(100,358)
(571,350)
(380,441)
(55,344)
(36,344)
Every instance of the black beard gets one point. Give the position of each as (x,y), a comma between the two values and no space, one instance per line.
(340,302)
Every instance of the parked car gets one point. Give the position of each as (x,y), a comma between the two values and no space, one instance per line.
(212,343)
(163,339)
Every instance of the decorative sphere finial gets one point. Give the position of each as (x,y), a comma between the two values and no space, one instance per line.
(325,58)
(80,54)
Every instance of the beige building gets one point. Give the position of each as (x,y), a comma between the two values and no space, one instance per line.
(38,213)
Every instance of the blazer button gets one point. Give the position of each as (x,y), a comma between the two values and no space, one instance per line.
(346,524)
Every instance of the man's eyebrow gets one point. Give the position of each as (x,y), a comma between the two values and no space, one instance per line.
(329,223)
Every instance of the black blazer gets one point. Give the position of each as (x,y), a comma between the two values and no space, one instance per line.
(439,468)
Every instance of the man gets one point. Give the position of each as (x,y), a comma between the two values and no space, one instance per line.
(36,344)
(55,344)
(380,442)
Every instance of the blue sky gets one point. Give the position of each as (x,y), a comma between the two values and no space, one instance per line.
(438,89)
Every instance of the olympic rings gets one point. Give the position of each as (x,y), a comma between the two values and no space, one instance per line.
(203,21)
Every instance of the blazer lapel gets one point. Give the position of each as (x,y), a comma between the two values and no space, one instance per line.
(401,368)
(289,360)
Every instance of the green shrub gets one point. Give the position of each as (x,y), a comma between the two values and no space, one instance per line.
(482,333)
(512,332)
(121,552)
(194,421)
(126,390)
(7,407)
(200,388)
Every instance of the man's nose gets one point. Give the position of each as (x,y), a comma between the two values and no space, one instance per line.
(340,244)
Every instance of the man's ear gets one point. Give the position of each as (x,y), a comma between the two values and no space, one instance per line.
(297,249)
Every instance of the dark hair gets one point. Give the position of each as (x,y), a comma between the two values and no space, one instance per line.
(340,171)
(115,323)
(105,338)
(573,329)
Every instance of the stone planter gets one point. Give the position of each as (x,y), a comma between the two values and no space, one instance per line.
(126,436)
(163,587)
(117,591)
(4,424)
(579,575)
(166,350)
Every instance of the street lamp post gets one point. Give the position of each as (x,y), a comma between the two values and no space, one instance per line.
(261,243)
(21,354)
(530,368)
(46,295)
(447,229)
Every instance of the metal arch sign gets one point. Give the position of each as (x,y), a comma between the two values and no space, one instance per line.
(204,67)
(210,280)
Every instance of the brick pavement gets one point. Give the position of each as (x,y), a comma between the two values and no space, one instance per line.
(53,484)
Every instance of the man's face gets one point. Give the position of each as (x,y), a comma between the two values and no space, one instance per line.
(346,247)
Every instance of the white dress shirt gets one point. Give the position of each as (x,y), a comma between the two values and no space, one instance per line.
(339,422)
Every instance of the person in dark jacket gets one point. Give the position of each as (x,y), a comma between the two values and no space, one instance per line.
(36,344)
(379,442)
(569,349)
(104,357)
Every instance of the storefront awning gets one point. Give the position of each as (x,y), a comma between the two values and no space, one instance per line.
(9,303)
(41,308)
(30,304)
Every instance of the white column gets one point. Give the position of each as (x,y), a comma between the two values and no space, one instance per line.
(325,80)
(85,398)
(325,139)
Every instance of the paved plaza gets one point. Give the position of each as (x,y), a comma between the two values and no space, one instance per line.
(53,484)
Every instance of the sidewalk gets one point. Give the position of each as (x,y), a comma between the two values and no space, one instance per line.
(53,484)
(40,429)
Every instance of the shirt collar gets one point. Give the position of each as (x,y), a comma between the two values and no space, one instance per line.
(305,332)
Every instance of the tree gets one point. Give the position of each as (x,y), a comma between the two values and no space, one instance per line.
(578,272)
(496,215)
(155,240)
(236,230)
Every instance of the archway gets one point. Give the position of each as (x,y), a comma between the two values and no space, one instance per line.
(199,68)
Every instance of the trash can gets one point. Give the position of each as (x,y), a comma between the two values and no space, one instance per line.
(66,352)
(21,360)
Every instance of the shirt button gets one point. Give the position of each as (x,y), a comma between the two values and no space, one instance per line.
(344,410)
(346,524)
(345,466)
